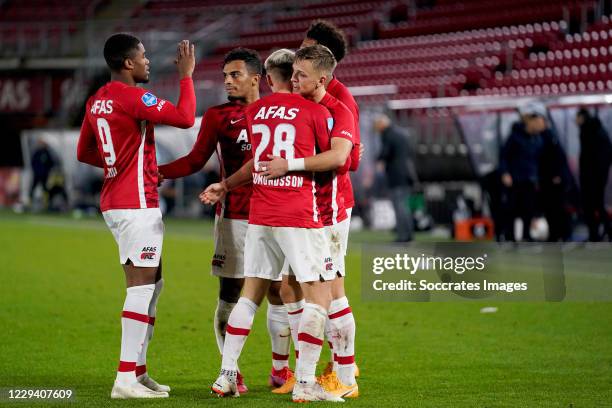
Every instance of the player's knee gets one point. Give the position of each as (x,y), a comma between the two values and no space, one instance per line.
(320,294)
(285,294)
(229,289)
(137,276)
(290,291)
(338,288)
(274,294)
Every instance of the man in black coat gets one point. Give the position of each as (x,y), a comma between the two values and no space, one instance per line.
(520,167)
(595,157)
(556,182)
(42,162)
(396,154)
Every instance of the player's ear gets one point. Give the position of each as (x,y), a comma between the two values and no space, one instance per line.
(269,80)
(323,80)
(255,80)
(128,64)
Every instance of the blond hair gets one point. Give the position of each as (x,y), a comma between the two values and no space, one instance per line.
(321,57)
(280,64)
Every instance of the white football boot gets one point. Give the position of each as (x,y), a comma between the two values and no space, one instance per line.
(152,384)
(303,392)
(225,385)
(135,390)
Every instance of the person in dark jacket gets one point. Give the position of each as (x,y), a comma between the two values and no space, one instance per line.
(42,163)
(519,167)
(595,157)
(396,154)
(556,182)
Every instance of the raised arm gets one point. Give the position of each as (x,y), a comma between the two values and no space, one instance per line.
(147,107)
(203,148)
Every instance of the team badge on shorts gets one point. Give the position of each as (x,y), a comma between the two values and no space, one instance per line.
(218,260)
(329,264)
(148,253)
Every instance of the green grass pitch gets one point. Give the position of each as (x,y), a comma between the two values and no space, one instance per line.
(62,289)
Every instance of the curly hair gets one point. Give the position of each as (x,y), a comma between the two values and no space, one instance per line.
(250,57)
(327,34)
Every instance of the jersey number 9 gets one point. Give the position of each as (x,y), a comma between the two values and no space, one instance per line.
(107,141)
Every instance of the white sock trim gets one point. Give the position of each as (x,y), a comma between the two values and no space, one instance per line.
(278,313)
(248,303)
(337,305)
(294,307)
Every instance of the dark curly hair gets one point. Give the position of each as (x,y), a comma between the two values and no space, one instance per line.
(250,57)
(327,34)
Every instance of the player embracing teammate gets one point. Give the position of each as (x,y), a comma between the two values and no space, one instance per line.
(313,67)
(327,34)
(312,74)
(224,130)
(339,376)
(284,224)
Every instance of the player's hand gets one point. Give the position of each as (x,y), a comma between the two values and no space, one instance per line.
(275,168)
(160,179)
(213,193)
(185,59)
(361,151)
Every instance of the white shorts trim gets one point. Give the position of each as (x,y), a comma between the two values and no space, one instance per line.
(141,188)
(337,236)
(305,250)
(139,234)
(228,258)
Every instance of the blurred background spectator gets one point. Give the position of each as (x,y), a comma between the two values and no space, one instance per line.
(595,158)
(42,162)
(520,168)
(396,158)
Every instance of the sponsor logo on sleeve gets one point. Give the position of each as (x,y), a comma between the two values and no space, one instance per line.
(346,133)
(149,99)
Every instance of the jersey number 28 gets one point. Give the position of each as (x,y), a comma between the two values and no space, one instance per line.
(284,137)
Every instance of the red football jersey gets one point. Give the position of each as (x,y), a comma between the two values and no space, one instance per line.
(335,185)
(117,134)
(339,91)
(286,125)
(223,126)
